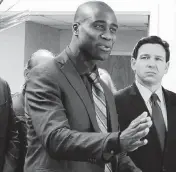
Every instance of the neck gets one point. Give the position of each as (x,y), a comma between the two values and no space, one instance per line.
(151,87)
(82,59)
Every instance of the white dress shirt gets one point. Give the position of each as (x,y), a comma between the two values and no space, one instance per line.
(146,94)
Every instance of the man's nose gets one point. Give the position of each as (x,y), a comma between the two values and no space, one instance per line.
(151,62)
(107,35)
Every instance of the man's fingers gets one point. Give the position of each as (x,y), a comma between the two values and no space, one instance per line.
(146,120)
(138,144)
(143,126)
(140,135)
(138,119)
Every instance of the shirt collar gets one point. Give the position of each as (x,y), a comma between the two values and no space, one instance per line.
(146,93)
(159,92)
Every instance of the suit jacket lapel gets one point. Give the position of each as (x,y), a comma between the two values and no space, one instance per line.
(77,83)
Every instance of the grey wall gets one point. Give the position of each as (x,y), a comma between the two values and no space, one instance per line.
(126,40)
(38,36)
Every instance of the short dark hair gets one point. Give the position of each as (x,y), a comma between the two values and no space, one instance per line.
(151,40)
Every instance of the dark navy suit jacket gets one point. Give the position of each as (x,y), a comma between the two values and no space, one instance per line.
(150,157)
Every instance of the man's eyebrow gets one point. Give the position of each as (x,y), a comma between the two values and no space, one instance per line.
(102,21)
(159,56)
(115,25)
(144,55)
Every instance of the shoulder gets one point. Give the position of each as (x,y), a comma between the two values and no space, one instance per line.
(5,93)
(4,86)
(123,93)
(170,95)
(46,76)
(52,66)
(47,70)
(3,82)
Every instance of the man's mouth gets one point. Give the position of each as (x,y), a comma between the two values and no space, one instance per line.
(105,48)
(150,72)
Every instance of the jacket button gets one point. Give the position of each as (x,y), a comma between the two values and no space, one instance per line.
(112,152)
(163,169)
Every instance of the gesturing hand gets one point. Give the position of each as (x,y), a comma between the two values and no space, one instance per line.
(138,128)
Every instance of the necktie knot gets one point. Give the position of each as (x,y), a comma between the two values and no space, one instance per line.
(154,98)
(93,77)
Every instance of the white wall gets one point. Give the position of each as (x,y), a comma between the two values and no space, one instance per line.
(163,24)
(126,39)
(12,56)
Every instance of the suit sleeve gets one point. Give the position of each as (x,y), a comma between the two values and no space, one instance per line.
(12,151)
(125,164)
(44,104)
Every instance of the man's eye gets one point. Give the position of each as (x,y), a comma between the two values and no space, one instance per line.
(158,59)
(99,26)
(144,57)
(113,30)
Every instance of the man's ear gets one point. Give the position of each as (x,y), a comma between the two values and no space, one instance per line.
(133,62)
(75,29)
(167,67)
(26,71)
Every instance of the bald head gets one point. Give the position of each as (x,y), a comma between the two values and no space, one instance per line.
(38,57)
(88,9)
(94,31)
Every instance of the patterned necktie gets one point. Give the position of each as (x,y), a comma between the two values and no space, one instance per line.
(158,119)
(100,108)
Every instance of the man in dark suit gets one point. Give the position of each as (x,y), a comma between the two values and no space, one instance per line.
(38,57)
(150,61)
(9,144)
(65,132)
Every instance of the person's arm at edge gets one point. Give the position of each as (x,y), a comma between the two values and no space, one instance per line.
(12,151)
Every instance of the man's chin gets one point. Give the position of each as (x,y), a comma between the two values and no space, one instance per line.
(149,81)
(103,58)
